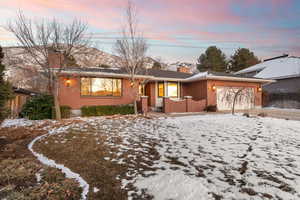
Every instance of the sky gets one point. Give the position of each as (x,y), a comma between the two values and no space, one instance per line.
(177,30)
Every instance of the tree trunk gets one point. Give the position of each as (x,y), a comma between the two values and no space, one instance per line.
(234,101)
(56,101)
(233,106)
(135,107)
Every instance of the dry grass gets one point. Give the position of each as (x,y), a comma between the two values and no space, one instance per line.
(86,152)
(19,170)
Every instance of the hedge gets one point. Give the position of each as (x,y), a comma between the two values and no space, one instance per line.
(42,107)
(87,111)
(65,112)
(38,107)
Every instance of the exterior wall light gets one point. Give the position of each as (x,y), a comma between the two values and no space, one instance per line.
(259,89)
(68,82)
(213,88)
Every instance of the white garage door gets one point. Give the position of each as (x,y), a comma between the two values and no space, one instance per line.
(244,100)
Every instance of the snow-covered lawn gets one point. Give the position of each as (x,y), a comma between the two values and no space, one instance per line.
(194,157)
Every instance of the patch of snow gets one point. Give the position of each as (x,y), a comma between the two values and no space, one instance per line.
(96,190)
(46,161)
(38,177)
(169,184)
(275,69)
(198,76)
(17,123)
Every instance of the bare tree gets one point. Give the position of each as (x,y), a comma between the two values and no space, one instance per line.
(238,95)
(132,48)
(38,38)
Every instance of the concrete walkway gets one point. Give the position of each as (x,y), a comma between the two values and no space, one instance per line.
(291,114)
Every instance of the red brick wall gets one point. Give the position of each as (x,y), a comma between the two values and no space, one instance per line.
(195,106)
(143,104)
(184,105)
(170,106)
(198,89)
(71,95)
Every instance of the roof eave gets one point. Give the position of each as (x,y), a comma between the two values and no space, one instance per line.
(103,74)
(229,78)
(241,79)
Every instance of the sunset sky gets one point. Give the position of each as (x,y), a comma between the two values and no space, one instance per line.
(178,30)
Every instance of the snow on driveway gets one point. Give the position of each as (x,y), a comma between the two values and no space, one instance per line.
(218,157)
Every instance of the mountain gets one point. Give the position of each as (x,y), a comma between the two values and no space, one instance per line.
(22,69)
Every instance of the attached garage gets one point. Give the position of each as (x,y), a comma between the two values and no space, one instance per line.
(244,98)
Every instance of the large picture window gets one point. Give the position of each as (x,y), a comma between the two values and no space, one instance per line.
(101,87)
(172,89)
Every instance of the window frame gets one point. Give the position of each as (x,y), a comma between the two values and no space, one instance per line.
(99,96)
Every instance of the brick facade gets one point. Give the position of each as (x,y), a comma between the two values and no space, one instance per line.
(71,95)
(203,94)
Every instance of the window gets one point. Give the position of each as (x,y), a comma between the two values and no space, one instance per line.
(142,89)
(172,89)
(161,89)
(101,87)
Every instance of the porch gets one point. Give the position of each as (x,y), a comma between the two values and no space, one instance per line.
(168,97)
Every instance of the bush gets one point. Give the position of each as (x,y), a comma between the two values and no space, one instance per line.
(38,107)
(106,110)
(64,110)
(211,108)
(262,114)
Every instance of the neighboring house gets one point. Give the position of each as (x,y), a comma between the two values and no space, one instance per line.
(20,97)
(285,92)
(169,91)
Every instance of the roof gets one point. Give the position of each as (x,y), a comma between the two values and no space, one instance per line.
(280,68)
(225,77)
(23,91)
(150,73)
(156,74)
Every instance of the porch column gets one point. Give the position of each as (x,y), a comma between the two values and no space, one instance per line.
(166,105)
(188,101)
(144,104)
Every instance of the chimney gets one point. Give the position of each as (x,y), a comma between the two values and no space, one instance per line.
(55,59)
(184,69)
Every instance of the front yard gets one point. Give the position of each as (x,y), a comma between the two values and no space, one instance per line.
(193,157)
